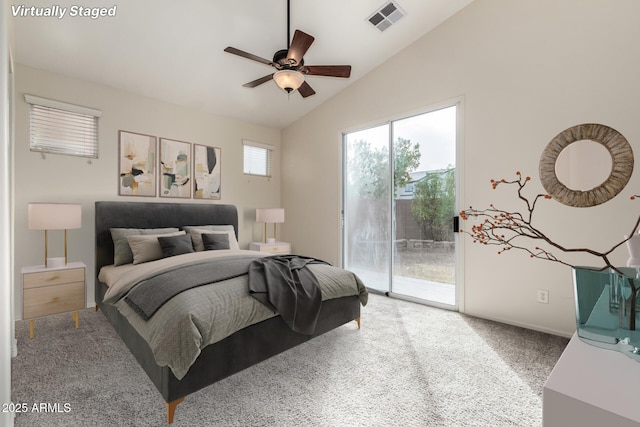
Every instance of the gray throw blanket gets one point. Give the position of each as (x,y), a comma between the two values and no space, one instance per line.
(286,286)
(148,296)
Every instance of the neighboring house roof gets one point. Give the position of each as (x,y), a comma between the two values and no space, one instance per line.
(406,192)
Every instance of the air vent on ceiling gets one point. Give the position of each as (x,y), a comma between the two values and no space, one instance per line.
(386,16)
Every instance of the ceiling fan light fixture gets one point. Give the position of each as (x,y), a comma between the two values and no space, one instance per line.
(288,80)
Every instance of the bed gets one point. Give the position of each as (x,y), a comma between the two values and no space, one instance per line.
(217,360)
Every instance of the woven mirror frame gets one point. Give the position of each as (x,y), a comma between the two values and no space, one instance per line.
(621,168)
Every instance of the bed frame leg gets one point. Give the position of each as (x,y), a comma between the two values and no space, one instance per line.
(97,308)
(171,409)
(358,322)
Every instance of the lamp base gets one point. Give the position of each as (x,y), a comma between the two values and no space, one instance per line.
(55,262)
(271,240)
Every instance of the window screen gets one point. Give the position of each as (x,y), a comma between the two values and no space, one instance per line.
(61,128)
(257,158)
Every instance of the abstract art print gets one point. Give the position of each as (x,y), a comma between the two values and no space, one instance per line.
(175,168)
(137,166)
(206,172)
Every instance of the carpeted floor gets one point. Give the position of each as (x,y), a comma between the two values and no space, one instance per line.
(409,365)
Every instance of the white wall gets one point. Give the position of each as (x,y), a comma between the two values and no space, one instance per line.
(527,70)
(71,179)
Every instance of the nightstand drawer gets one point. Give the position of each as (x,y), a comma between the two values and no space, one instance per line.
(281,248)
(52,278)
(53,299)
(276,249)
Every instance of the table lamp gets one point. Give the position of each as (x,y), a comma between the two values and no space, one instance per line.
(54,216)
(270,215)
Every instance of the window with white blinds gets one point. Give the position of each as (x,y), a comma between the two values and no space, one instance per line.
(60,128)
(257,158)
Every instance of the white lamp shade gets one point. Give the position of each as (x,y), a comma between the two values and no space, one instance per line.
(54,216)
(288,80)
(270,215)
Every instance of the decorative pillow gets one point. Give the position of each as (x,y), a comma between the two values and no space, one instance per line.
(197,230)
(146,247)
(176,245)
(231,238)
(215,241)
(121,251)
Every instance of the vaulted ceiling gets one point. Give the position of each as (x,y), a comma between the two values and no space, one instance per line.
(173,50)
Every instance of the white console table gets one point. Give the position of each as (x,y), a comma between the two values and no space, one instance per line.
(592,387)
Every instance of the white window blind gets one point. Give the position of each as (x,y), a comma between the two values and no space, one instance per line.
(257,158)
(60,128)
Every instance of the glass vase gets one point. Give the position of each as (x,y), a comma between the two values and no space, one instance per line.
(608,308)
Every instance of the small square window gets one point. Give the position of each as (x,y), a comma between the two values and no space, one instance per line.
(257,158)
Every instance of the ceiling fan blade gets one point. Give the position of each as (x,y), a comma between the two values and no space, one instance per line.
(258,82)
(247,55)
(327,70)
(299,46)
(306,90)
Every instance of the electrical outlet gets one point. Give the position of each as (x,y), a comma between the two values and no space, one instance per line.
(543,296)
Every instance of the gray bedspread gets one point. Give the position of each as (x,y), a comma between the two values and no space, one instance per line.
(206,314)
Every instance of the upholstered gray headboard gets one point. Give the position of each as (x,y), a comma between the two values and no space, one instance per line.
(153,215)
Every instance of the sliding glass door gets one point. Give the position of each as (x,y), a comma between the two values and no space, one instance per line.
(367,206)
(399,206)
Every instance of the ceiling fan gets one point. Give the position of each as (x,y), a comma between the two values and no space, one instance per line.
(289,63)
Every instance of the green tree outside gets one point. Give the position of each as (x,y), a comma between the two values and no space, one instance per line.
(369,167)
(434,202)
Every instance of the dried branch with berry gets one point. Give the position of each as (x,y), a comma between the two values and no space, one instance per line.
(516,230)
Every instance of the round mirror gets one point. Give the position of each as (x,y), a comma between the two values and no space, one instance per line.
(583,165)
(619,153)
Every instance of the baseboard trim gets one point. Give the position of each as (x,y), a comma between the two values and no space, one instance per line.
(538,328)
(14,347)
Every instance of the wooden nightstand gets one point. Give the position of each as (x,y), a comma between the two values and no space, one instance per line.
(280,248)
(48,291)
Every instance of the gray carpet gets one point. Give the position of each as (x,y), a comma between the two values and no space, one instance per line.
(409,365)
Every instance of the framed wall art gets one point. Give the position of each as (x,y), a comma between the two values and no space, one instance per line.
(175,168)
(137,164)
(206,172)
